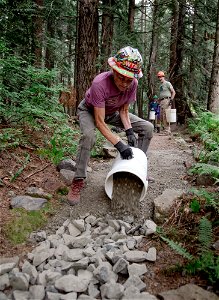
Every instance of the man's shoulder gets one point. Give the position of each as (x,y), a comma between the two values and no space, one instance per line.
(104,76)
(168,83)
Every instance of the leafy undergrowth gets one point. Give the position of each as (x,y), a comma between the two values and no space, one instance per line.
(191,231)
(28,157)
(205,130)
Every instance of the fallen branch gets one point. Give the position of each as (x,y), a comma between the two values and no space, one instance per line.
(38,171)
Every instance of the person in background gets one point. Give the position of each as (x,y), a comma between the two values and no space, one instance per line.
(167,94)
(107,102)
(154,106)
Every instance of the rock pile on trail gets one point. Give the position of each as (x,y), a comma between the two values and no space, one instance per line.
(87,258)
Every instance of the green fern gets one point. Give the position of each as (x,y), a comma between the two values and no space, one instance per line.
(206,262)
(208,265)
(206,127)
(205,236)
(195,206)
(212,199)
(20,170)
(205,169)
(204,156)
(178,248)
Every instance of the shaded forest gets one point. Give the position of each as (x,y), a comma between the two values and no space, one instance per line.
(52,50)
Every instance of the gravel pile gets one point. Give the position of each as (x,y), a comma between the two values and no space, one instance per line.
(87,258)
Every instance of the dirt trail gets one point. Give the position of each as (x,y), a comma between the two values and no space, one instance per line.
(166,163)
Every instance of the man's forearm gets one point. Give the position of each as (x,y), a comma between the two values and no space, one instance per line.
(99,116)
(173,93)
(124,115)
(107,133)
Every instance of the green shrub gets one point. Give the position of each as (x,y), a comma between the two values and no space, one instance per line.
(11,138)
(205,262)
(27,93)
(205,169)
(206,127)
(63,144)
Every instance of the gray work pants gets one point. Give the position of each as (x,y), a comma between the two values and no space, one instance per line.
(143,128)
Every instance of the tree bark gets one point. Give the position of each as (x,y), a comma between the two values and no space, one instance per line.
(49,56)
(151,73)
(177,80)
(194,44)
(213,98)
(38,33)
(131,16)
(87,46)
(141,103)
(173,38)
(106,33)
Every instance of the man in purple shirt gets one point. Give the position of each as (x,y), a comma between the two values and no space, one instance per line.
(107,102)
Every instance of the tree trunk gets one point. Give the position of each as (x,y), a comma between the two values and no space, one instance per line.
(141,103)
(194,44)
(49,57)
(173,38)
(87,46)
(131,16)
(69,58)
(213,98)
(177,80)
(107,33)
(153,52)
(143,27)
(38,33)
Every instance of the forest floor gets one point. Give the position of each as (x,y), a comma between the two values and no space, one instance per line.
(168,158)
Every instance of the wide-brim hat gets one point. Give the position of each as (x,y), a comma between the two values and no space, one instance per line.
(115,65)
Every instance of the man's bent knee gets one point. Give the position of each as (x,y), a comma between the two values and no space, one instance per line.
(148,130)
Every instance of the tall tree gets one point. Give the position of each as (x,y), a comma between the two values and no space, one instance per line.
(50,36)
(106,32)
(38,33)
(143,25)
(131,15)
(87,46)
(213,98)
(143,83)
(192,66)
(153,51)
(178,67)
(173,37)
(15,25)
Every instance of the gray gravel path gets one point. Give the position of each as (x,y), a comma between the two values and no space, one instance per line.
(166,157)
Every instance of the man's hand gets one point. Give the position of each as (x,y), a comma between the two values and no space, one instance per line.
(124,150)
(132,141)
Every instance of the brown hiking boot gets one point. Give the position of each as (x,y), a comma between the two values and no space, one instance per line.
(75,190)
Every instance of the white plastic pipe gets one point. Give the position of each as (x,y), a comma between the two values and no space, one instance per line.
(137,166)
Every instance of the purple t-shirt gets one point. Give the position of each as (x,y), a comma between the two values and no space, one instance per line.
(104,93)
